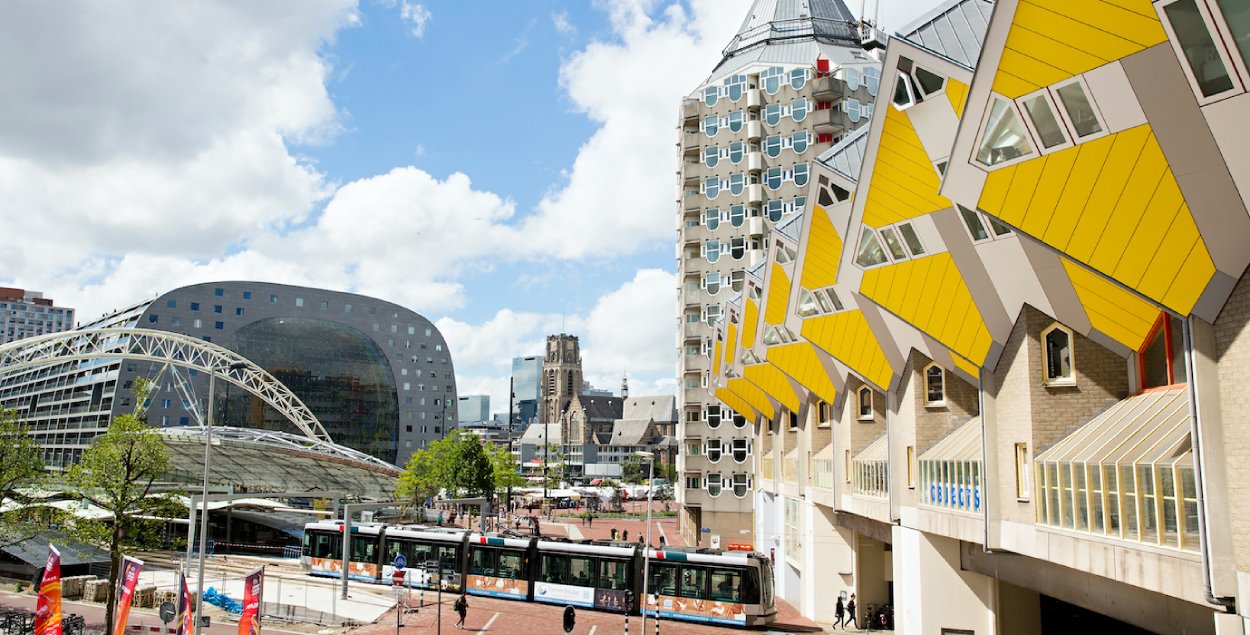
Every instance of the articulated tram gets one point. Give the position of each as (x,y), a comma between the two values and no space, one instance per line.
(700,585)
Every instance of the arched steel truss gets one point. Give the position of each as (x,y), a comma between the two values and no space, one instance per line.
(167,348)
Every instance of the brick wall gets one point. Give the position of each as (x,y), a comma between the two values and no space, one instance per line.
(1013,412)
(1232,347)
(933,423)
(863,433)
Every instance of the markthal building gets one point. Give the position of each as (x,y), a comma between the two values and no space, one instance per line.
(308,381)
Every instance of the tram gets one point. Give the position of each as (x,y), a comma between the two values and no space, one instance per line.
(732,588)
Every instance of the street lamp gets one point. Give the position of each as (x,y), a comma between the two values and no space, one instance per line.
(646,555)
(208,446)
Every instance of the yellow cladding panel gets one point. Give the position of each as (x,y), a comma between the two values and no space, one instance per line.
(716,358)
(847,337)
(1052,40)
(752,395)
(904,183)
(1113,204)
(750,318)
(957,92)
(739,405)
(945,311)
(821,254)
(801,362)
(1121,315)
(774,384)
(966,366)
(731,343)
(778,296)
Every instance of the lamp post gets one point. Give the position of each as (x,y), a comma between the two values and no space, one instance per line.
(208,447)
(646,555)
(511,400)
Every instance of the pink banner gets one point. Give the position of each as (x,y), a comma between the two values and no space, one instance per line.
(48,606)
(185,608)
(129,580)
(253,591)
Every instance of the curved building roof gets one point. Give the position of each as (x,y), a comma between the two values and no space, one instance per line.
(793,32)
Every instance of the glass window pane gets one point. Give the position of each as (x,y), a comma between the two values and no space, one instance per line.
(1080,111)
(870,251)
(613,575)
(902,92)
(893,243)
(929,82)
(693,582)
(726,585)
(1005,137)
(911,238)
(1201,53)
(1237,17)
(975,226)
(1044,121)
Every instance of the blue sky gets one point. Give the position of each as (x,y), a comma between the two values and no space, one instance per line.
(504,167)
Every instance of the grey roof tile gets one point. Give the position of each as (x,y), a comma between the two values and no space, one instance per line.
(954,29)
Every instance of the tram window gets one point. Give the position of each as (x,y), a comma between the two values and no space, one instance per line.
(555,568)
(613,574)
(483,562)
(727,585)
(306,548)
(364,548)
(693,583)
(510,564)
(664,579)
(447,557)
(327,546)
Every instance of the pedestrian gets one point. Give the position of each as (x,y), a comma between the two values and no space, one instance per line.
(462,609)
(839,611)
(590,518)
(613,533)
(625,535)
(440,517)
(850,612)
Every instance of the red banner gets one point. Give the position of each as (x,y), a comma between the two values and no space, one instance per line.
(48,606)
(253,590)
(129,580)
(185,608)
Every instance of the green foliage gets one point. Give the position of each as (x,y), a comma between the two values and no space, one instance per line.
(457,463)
(21,465)
(632,470)
(670,472)
(507,472)
(117,473)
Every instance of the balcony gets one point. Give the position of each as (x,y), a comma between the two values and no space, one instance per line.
(755,162)
(754,99)
(755,193)
(828,89)
(829,121)
(695,329)
(755,226)
(690,142)
(754,130)
(689,111)
(696,395)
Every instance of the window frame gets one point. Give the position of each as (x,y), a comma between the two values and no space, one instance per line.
(1047,380)
(1052,100)
(1023,486)
(860,402)
(928,401)
(1066,117)
(981,130)
(919,88)
(1217,27)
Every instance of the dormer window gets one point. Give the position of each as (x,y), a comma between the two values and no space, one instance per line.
(1161,360)
(934,386)
(1057,356)
(865,403)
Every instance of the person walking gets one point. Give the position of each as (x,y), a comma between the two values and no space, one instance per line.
(839,611)
(462,609)
(850,612)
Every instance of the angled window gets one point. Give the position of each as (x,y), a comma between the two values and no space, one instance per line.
(1004,137)
(785,253)
(1043,121)
(1081,114)
(929,83)
(911,239)
(893,244)
(1057,357)
(864,398)
(834,299)
(934,385)
(904,93)
(870,253)
(808,306)
(1206,62)
(1161,359)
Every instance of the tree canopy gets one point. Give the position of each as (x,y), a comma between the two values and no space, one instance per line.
(458,463)
(21,465)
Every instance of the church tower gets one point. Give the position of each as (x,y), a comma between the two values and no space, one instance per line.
(562,376)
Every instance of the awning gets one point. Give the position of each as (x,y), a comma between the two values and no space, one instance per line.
(1149,428)
(876,452)
(964,444)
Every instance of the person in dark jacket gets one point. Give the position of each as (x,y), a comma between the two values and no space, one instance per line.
(839,612)
(462,609)
(850,612)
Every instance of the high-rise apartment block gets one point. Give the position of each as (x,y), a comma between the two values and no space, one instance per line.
(27,313)
(793,81)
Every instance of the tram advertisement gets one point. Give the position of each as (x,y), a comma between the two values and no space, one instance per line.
(612,599)
(253,589)
(713,611)
(365,571)
(498,587)
(564,594)
(130,579)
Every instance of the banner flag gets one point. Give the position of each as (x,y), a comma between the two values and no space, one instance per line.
(48,606)
(253,592)
(185,607)
(129,580)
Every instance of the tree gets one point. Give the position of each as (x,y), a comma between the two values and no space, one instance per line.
(632,470)
(456,463)
(117,473)
(21,465)
(507,472)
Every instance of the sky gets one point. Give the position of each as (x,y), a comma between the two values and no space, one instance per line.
(502,167)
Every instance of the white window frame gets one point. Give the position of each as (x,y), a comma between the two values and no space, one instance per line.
(1023,487)
(859,404)
(991,233)
(1058,381)
(1217,27)
(1052,99)
(1067,119)
(985,119)
(919,88)
(930,403)
(901,76)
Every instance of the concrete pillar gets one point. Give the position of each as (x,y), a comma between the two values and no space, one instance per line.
(1018,610)
(932,592)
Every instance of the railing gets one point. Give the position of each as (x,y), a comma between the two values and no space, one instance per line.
(790,470)
(822,470)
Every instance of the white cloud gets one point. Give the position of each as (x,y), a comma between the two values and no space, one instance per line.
(619,193)
(417,16)
(562,23)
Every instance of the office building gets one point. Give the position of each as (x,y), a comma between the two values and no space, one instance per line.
(995,369)
(27,314)
(792,81)
(525,392)
(474,408)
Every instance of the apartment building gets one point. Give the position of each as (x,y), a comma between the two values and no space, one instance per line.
(27,313)
(792,81)
(994,369)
